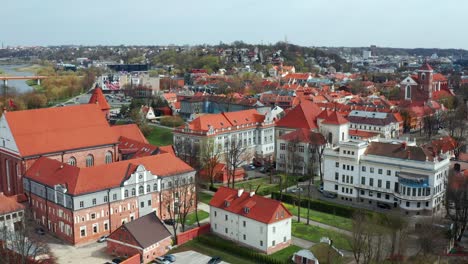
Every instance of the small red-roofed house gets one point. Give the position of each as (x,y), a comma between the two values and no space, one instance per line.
(220,174)
(335,128)
(251,220)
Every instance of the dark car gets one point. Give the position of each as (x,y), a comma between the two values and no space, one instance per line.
(170,257)
(214,260)
(329,194)
(383,205)
(40,231)
(116,260)
(169,222)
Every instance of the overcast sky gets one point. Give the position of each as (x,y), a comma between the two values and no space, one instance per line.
(386,23)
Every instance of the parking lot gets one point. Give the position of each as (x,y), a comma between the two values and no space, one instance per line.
(192,257)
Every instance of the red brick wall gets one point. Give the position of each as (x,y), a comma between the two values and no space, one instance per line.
(186,236)
(298,260)
(16,184)
(135,259)
(159,250)
(117,249)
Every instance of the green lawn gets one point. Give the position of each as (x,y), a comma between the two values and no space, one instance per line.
(314,233)
(323,253)
(204,197)
(192,218)
(207,250)
(329,219)
(286,254)
(160,136)
(265,186)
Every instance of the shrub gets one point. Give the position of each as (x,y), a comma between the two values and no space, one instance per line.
(172,121)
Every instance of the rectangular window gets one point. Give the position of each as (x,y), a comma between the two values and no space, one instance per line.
(142,204)
(389,172)
(387,197)
(106,226)
(243,223)
(387,185)
(379,195)
(337,176)
(379,183)
(105,199)
(93,216)
(261,243)
(274,229)
(226,230)
(94,201)
(273,242)
(363,180)
(83,231)
(363,168)
(149,202)
(282,146)
(216,213)
(371,170)
(81,204)
(371,181)
(336,187)
(337,164)
(343,178)
(245,237)
(380,171)
(226,217)
(114,196)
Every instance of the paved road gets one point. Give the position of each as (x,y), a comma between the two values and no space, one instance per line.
(192,257)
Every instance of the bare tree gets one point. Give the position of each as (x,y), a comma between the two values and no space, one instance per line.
(22,247)
(210,156)
(236,154)
(432,239)
(456,202)
(358,242)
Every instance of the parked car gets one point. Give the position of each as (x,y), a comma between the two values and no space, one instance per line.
(170,257)
(40,231)
(117,260)
(169,222)
(252,167)
(102,239)
(383,205)
(161,260)
(295,190)
(214,260)
(329,194)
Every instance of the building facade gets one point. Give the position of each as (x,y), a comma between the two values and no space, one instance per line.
(11,213)
(250,220)
(399,174)
(80,205)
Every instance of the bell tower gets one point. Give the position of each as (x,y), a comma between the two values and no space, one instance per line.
(425,75)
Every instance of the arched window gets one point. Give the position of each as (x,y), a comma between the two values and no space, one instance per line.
(141,190)
(108,157)
(408,92)
(330,137)
(133,191)
(89,160)
(126,193)
(148,188)
(155,187)
(72,161)
(423,76)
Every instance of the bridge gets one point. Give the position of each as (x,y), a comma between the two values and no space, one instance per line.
(37,78)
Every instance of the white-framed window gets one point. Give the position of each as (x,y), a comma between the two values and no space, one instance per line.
(89,160)
(72,161)
(82,231)
(108,157)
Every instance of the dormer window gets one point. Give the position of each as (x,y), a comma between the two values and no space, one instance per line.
(226,203)
(246,210)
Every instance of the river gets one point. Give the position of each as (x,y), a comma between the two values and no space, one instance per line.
(19,85)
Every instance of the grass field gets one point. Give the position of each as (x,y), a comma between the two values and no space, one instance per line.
(32,68)
(314,233)
(327,255)
(160,136)
(204,197)
(328,219)
(264,183)
(286,254)
(192,218)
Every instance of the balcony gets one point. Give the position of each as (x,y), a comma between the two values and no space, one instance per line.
(412,198)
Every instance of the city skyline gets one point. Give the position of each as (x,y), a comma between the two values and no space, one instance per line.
(336,23)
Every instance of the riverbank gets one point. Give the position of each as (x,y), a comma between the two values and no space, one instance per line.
(30,68)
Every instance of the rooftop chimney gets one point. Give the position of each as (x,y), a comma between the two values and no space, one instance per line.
(239,192)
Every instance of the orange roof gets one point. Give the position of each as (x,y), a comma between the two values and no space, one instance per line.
(136,149)
(426,67)
(98,98)
(324,114)
(167,149)
(261,209)
(225,120)
(335,118)
(83,180)
(9,204)
(304,115)
(129,131)
(362,134)
(48,130)
(304,135)
(438,77)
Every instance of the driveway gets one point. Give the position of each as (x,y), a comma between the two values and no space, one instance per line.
(192,257)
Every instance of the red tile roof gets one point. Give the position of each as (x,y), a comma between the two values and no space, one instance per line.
(438,77)
(362,134)
(262,209)
(304,115)
(167,149)
(131,131)
(55,129)
(9,204)
(83,180)
(437,95)
(136,149)
(443,144)
(426,67)
(335,118)
(304,135)
(324,114)
(98,98)
(225,120)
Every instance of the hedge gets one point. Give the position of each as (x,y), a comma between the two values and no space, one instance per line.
(321,206)
(228,246)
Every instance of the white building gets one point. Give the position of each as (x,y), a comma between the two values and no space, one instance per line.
(253,131)
(376,122)
(11,213)
(250,220)
(399,174)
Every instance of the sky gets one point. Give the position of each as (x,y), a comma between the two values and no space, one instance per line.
(350,23)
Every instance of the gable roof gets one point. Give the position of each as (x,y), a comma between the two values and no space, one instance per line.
(335,118)
(48,130)
(130,131)
(261,209)
(226,119)
(304,115)
(398,151)
(304,135)
(98,98)
(426,67)
(136,149)
(83,180)
(9,204)
(146,230)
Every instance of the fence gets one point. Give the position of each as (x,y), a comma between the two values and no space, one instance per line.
(135,259)
(186,236)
